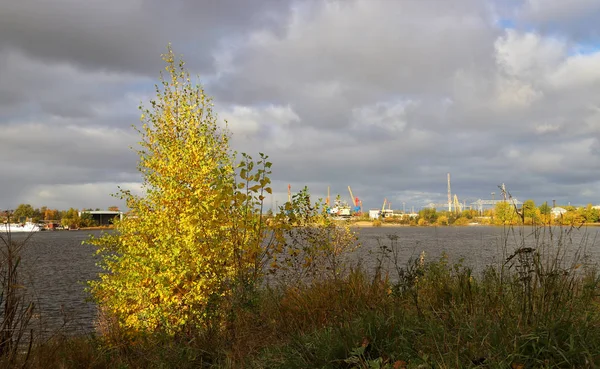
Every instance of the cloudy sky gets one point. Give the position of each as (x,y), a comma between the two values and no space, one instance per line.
(387,96)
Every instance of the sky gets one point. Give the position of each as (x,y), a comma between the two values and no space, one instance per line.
(385,96)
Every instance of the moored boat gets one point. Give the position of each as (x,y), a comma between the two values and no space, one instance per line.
(19,227)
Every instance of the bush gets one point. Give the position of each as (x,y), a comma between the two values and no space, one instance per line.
(462,221)
(442,220)
(197,245)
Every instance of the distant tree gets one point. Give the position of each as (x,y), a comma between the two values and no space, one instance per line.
(545,213)
(442,220)
(468,213)
(572,217)
(86,220)
(429,214)
(23,212)
(51,214)
(405,219)
(505,213)
(71,218)
(529,208)
(462,221)
(590,214)
(113,208)
(530,212)
(545,209)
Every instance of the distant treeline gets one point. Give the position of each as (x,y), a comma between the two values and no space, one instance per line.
(67,218)
(505,213)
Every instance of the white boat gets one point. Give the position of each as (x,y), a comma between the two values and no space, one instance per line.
(19,227)
(340,209)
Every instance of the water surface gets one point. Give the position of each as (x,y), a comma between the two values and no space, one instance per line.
(58,264)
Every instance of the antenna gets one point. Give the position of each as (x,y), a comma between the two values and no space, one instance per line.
(449,195)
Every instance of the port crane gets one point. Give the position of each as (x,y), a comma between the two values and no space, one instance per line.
(457,205)
(356,202)
(385,213)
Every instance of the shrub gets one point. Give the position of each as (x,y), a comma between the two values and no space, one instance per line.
(462,221)
(442,220)
(195,248)
(197,230)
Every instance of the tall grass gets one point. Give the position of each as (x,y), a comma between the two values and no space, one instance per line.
(538,308)
(16,311)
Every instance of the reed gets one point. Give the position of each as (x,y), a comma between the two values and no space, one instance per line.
(16,311)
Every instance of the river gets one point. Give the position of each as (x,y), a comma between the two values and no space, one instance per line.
(56,265)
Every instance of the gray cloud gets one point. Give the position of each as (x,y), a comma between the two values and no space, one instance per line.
(129,35)
(384,96)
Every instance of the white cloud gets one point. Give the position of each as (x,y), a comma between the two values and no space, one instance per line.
(247,121)
(577,71)
(514,93)
(387,116)
(547,128)
(528,55)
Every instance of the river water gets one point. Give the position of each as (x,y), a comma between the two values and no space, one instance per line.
(56,265)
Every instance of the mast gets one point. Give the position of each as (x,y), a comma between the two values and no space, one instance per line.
(449,195)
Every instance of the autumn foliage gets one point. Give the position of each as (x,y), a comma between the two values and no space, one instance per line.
(197,239)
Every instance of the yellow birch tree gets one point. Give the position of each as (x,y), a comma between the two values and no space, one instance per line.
(170,256)
(197,238)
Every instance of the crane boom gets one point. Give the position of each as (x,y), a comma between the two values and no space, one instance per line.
(457,205)
(352,197)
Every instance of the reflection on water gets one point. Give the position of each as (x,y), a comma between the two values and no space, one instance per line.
(57,264)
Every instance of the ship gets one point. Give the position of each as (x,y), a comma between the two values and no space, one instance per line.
(19,227)
(340,209)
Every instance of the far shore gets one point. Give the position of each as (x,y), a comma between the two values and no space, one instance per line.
(369,224)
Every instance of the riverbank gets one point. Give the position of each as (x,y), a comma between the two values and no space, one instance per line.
(370,223)
(429,313)
(438,316)
(97,228)
(426,314)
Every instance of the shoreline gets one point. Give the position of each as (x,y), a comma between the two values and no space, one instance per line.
(369,224)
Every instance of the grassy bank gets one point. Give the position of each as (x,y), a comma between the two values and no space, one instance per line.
(538,309)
